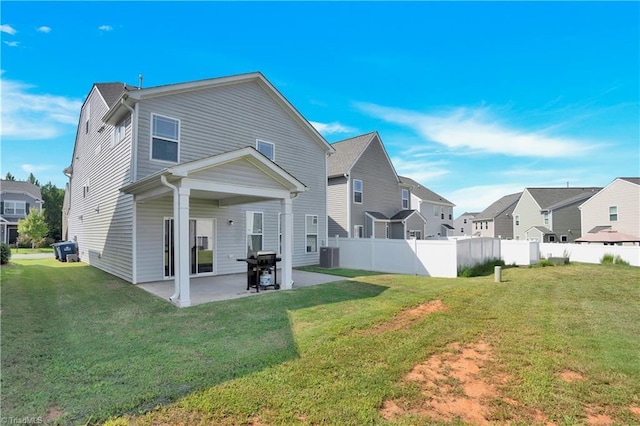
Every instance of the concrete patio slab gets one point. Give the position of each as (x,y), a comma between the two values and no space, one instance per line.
(233,286)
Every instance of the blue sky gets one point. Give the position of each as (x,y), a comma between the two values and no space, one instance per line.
(474,100)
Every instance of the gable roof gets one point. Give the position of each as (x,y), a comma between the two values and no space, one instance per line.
(424,193)
(550,198)
(111,92)
(635,180)
(128,98)
(496,208)
(18,186)
(348,151)
(542,229)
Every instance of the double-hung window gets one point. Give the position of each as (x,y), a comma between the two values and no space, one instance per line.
(358,231)
(311,230)
(357,191)
(266,148)
(15,208)
(613,214)
(405,199)
(165,138)
(255,231)
(118,133)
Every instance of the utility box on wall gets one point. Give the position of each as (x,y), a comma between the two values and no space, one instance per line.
(329,257)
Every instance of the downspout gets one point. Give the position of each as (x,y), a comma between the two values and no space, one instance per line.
(134,138)
(176,232)
(132,177)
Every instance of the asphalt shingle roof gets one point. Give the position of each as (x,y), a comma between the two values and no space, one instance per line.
(112,91)
(495,209)
(635,180)
(347,152)
(402,214)
(424,193)
(552,197)
(20,186)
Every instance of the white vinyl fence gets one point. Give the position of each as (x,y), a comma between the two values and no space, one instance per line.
(520,252)
(433,258)
(590,253)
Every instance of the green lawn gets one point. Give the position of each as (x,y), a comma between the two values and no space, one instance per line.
(82,346)
(31,251)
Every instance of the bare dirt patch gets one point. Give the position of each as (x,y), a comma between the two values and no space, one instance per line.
(53,414)
(408,317)
(570,376)
(456,385)
(635,411)
(597,418)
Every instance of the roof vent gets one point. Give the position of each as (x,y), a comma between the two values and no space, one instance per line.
(140,77)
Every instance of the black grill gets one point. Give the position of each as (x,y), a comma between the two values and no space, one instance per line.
(261,263)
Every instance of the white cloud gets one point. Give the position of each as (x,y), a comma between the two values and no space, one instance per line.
(332,128)
(478,198)
(12,43)
(44,29)
(4,28)
(421,171)
(31,168)
(476,129)
(105,27)
(27,115)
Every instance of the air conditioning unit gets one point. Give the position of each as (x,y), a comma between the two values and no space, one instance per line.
(329,257)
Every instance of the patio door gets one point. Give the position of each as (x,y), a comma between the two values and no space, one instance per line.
(201,246)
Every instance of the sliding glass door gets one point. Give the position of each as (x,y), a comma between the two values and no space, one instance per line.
(201,246)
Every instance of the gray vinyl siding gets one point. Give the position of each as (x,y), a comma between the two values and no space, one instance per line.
(337,198)
(229,240)
(567,219)
(529,211)
(381,191)
(414,223)
(30,203)
(503,225)
(102,221)
(224,119)
(622,194)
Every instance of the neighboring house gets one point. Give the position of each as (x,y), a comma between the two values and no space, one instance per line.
(16,199)
(496,220)
(436,209)
(550,214)
(365,195)
(616,208)
(179,181)
(463,225)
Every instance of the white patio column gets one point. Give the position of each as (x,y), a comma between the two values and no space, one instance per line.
(287,244)
(183,269)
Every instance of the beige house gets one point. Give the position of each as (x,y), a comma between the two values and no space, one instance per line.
(615,208)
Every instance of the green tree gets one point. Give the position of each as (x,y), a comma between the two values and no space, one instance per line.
(9,176)
(53,198)
(32,179)
(33,226)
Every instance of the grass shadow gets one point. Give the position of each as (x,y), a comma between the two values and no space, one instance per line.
(93,346)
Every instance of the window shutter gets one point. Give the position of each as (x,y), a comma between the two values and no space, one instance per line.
(1,207)
(26,209)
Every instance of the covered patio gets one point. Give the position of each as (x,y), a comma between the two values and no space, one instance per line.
(233,286)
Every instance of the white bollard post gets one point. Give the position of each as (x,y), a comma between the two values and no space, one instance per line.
(498,274)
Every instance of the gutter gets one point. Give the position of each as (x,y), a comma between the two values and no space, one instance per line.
(176,233)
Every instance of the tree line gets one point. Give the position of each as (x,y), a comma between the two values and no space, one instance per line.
(51,216)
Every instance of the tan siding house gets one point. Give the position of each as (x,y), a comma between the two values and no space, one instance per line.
(616,207)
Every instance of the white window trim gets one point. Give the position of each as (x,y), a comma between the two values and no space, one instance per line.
(405,191)
(119,130)
(87,117)
(273,148)
(413,232)
(361,191)
(616,213)
(163,138)
(15,203)
(248,233)
(307,233)
(357,234)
